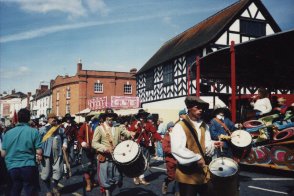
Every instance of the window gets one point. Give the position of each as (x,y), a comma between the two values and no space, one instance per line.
(128,89)
(57,96)
(67,107)
(149,80)
(252,28)
(168,74)
(98,87)
(68,94)
(57,110)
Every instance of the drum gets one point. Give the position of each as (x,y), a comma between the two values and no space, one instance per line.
(129,158)
(241,143)
(224,176)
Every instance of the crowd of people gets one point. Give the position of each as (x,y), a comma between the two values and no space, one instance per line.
(47,149)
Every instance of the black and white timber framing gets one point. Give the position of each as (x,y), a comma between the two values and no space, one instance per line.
(242,21)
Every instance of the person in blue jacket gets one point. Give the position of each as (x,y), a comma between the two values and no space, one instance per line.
(220,127)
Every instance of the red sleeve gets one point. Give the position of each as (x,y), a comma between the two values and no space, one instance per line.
(81,134)
(132,126)
(150,127)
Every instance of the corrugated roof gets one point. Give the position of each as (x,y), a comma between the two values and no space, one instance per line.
(197,36)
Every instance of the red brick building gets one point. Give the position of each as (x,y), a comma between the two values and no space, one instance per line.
(71,94)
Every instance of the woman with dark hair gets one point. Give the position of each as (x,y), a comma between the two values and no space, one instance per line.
(261,103)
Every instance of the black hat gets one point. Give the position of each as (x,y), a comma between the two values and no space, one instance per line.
(108,113)
(67,117)
(142,114)
(225,111)
(192,101)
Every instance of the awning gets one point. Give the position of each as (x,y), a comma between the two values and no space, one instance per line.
(85,111)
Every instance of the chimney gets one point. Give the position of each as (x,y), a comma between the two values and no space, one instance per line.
(44,88)
(79,66)
(28,100)
(37,91)
(133,71)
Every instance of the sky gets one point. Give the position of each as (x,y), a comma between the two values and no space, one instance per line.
(41,39)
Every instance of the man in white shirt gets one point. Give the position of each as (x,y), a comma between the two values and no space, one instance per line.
(192,171)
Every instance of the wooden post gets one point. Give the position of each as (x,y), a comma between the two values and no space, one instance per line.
(233,81)
(197,76)
(188,80)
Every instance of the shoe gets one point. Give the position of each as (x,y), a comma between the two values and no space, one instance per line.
(55,192)
(177,193)
(143,181)
(49,194)
(137,181)
(105,192)
(119,184)
(88,185)
(159,159)
(95,184)
(164,188)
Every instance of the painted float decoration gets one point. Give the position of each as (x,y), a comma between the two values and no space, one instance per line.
(272,142)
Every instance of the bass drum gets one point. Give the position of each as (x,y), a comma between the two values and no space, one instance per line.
(241,143)
(129,158)
(224,176)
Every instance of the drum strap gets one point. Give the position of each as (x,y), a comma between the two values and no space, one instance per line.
(223,125)
(108,135)
(195,138)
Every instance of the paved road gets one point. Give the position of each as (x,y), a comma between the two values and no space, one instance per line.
(253,182)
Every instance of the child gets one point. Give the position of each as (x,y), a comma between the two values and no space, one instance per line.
(171,162)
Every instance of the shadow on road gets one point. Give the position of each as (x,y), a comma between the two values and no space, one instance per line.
(154,176)
(136,191)
(71,188)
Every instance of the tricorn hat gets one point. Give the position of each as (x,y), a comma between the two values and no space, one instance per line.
(192,101)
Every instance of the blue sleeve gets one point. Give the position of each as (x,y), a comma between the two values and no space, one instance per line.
(213,131)
(4,145)
(231,125)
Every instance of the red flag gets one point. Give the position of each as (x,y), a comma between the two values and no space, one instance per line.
(15,119)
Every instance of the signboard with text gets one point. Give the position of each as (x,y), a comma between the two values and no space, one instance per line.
(116,102)
(6,109)
(97,103)
(123,102)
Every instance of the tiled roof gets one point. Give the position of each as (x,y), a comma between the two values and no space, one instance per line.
(197,36)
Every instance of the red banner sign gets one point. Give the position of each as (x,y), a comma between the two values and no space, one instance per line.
(97,103)
(123,102)
(6,109)
(117,102)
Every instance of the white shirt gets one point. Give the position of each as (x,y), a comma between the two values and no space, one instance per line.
(263,105)
(178,144)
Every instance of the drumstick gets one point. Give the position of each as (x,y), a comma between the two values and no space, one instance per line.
(221,149)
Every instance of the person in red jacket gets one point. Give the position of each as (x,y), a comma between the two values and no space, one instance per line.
(146,132)
(170,161)
(85,136)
